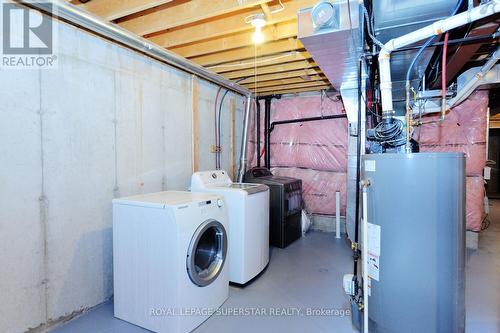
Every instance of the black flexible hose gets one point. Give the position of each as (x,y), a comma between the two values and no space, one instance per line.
(358,167)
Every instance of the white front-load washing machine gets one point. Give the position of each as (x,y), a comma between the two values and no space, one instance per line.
(169,259)
(248,212)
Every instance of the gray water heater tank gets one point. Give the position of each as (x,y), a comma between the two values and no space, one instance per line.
(418,200)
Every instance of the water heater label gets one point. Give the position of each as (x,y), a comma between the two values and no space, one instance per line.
(374,239)
(373,266)
(373,250)
(370,166)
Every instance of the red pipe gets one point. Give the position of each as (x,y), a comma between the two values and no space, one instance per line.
(443,71)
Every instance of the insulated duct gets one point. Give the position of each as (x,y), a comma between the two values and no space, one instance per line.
(338,36)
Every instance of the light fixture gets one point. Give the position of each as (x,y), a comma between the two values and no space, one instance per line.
(258,21)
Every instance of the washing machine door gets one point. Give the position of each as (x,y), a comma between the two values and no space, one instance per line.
(207,253)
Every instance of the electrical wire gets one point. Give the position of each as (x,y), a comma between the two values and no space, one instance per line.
(485,223)
(412,64)
(350,24)
(282,7)
(370,28)
(218,131)
(390,133)
(219,128)
(368,108)
(215,127)
(426,44)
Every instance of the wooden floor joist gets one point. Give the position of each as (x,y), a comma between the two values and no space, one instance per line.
(183,14)
(225,25)
(281,82)
(249,52)
(295,90)
(285,75)
(272,32)
(291,86)
(217,34)
(281,68)
(271,60)
(114,9)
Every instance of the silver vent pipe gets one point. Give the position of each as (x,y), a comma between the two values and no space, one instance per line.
(113,32)
(244,140)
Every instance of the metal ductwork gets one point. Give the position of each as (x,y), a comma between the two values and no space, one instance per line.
(394,18)
(330,33)
(335,43)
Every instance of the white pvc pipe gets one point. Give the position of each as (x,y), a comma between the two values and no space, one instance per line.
(437,28)
(337,214)
(365,260)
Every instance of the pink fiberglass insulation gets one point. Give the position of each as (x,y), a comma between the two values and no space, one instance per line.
(315,152)
(463,130)
(320,145)
(474,202)
(318,188)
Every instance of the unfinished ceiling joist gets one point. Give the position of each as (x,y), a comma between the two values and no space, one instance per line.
(225,25)
(183,14)
(295,90)
(290,86)
(280,76)
(115,9)
(272,60)
(273,32)
(114,33)
(281,68)
(218,36)
(281,82)
(249,52)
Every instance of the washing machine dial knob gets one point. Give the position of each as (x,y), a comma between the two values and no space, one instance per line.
(220,203)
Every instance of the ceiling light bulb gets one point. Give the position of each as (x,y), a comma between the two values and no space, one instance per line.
(258,21)
(258,36)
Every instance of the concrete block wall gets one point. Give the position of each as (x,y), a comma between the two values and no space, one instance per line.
(107,123)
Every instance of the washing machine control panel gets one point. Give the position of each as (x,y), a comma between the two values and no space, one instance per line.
(211,207)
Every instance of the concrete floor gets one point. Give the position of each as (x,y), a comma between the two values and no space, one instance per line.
(308,274)
(483,278)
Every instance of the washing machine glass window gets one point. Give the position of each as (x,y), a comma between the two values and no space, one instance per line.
(207,253)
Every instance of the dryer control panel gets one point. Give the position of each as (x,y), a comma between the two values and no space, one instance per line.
(211,178)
